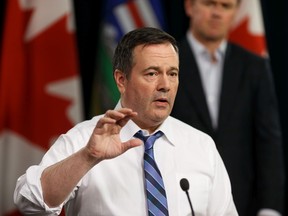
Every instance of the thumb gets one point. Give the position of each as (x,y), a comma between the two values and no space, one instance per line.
(132,143)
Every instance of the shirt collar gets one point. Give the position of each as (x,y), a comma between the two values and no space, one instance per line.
(131,129)
(199,48)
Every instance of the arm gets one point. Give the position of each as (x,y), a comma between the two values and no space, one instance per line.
(58,180)
(270,166)
(220,200)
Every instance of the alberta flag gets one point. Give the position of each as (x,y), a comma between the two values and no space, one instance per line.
(39,86)
(248,28)
(119,17)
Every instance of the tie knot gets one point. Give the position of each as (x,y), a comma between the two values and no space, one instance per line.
(148,140)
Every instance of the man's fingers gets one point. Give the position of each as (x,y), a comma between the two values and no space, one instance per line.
(121,117)
(123,121)
(131,144)
(105,120)
(119,114)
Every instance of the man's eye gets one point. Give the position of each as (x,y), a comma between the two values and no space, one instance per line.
(173,74)
(209,3)
(227,6)
(151,74)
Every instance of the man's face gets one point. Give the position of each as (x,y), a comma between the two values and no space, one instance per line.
(211,19)
(151,87)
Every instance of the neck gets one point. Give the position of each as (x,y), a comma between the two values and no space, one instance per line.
(211,44)
(151,128)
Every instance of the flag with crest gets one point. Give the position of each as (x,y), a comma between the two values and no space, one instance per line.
(119,17)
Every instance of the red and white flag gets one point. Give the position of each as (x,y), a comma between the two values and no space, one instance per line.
(39,86)
(248,28)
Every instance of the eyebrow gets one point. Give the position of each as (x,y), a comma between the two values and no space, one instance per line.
(158,68)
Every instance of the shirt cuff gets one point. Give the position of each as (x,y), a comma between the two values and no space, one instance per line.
(268,212)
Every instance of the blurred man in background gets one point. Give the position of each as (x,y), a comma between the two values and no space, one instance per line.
(229,93)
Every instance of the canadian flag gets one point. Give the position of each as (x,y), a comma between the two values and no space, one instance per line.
(40,94)
(248,28)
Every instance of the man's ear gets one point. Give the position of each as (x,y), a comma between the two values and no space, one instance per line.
(120,79)
(187,7)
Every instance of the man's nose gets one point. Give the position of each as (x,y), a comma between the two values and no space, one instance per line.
(164,83)
(217,10)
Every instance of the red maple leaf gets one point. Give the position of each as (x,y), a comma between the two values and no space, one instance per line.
(241,35)
(27,68)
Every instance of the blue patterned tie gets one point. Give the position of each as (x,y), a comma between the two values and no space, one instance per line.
(156,195)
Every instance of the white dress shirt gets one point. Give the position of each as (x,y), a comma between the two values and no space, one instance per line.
(116,186)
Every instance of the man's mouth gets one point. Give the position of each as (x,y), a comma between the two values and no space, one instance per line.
(162,100)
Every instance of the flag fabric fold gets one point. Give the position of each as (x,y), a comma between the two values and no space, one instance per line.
(40,95)
(248,28)
(119,17)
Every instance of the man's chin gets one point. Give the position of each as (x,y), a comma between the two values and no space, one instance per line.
(160,116)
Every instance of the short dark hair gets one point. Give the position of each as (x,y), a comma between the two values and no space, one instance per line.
(238,1)
(123,55)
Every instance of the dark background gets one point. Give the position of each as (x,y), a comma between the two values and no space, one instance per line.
(88,17)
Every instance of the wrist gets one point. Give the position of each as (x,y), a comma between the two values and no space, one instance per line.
(90,156)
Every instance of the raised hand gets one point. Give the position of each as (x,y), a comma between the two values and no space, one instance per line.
(105,142)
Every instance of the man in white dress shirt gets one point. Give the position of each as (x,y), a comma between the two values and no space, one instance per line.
(96,168)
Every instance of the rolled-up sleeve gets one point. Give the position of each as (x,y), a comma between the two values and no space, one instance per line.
(28,194)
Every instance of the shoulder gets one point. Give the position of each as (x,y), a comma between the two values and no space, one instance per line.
(184,48)
(186,132)
(191,142)
(86,124)
(80,133)
(183,42)
(235,50)
(71,141)
(249,64)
